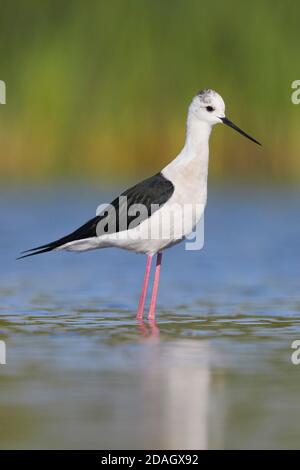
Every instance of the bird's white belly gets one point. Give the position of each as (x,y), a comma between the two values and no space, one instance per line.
(167,226)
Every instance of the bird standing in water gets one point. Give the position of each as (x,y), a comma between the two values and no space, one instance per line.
(162,210)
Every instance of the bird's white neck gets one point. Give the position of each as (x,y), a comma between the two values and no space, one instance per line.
(195,152)
(197,137)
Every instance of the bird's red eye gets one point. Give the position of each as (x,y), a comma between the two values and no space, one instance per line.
(209,108)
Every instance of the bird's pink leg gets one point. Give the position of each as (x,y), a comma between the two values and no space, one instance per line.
(151,315)
(140,311)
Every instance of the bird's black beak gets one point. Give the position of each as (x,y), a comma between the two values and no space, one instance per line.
(230,124)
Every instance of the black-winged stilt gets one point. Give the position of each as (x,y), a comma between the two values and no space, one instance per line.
(151,216)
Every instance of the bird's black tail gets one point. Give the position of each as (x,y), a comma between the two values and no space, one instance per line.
(39,250)
(87,230)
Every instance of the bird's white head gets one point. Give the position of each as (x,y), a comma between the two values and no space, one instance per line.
(208,107)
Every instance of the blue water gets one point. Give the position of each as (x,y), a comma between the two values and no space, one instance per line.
(216,370)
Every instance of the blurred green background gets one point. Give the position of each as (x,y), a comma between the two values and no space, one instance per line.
(99,90)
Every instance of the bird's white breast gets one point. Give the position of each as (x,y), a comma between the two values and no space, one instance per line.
(175,219)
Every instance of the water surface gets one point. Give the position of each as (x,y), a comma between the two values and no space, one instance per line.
(214,372)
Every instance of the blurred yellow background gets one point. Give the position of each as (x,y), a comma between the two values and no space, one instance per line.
(99,90)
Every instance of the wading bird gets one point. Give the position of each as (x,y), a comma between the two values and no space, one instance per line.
(151,216)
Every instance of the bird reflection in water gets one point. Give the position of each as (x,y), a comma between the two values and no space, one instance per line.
(176,388)
(148,330)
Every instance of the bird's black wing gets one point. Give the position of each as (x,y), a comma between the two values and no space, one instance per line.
(121,214)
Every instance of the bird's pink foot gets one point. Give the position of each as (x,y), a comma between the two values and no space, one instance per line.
(152,308)
(141,306)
